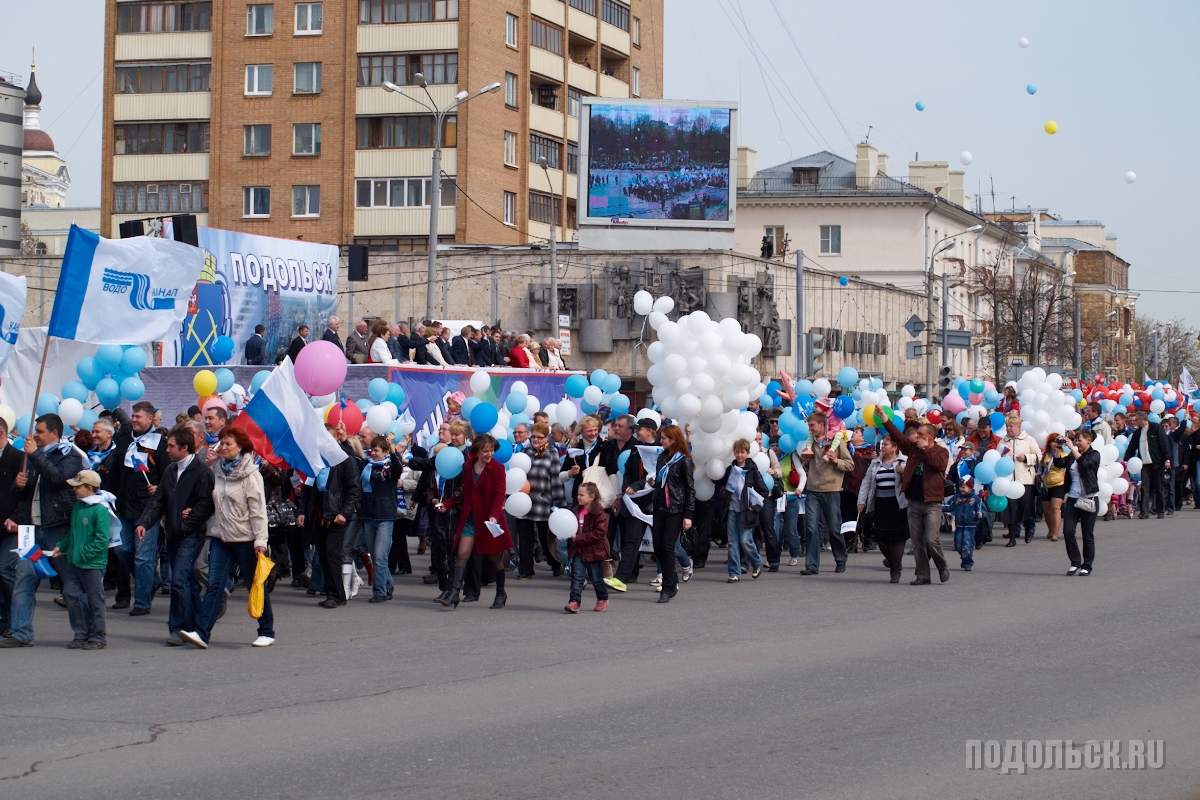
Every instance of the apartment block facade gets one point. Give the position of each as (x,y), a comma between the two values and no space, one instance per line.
(273,118)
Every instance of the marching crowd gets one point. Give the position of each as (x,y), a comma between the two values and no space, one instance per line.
(139,509)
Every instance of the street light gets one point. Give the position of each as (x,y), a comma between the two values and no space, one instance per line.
(435,202)
(553,254)
(942,245)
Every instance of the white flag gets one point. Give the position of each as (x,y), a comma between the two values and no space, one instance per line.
(13,292)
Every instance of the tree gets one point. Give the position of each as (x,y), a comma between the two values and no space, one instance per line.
(1177,348)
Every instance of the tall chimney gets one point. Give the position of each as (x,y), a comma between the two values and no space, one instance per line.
(866,166)
(883,164)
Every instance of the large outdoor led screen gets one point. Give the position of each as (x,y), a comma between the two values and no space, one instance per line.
(658,162)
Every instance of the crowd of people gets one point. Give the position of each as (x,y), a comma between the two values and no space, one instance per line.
(141,510)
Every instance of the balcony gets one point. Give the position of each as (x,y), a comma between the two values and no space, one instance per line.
(409,36)
(614,38)
(581,24)
(550,10)
(773,185)
(164,167)
(538,182)
(612,87)
(543,62)
(161,107)
(581,78)
(402,221)
(544,120)
(402,163)
(157,46)
(377,100)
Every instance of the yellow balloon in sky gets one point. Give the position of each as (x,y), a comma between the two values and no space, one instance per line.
(204,382)
(1051,127)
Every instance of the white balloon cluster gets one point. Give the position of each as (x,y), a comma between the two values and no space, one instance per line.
(1110,476)
(702,375)
(1045,408)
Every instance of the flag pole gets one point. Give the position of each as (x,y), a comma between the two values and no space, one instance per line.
(37,393)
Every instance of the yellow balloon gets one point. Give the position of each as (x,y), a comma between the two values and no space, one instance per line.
(205,382)
(1051,127)
(868,416)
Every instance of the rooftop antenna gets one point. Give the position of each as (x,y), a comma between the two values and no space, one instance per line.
(992,181)
(868,139)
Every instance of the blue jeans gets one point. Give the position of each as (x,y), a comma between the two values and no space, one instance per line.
(25,586)
(595,573)
(221,558)
(185,587)
(786,526)
(378,533)
(825,506)
(739,538)
(8,577)
(83,589)
(140,557)
(964,544)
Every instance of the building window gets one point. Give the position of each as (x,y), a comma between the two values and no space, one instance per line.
(572,158)
(544,147)
(163,17)
(258,140)
(586,6)
(510,90)
(258,79)
(510,149)
(510,208)
(831,239)
(546,96)
(546,36)
(415,130)
(161,137)
(774,234)
(436,68)
(615,13)
(306,201)
(635,32)
(310,18)
(544,208)
(155,78)
(510,30)
(574,103)
(260,19)
(256,201)
(135,198)
(401,192)
(306,139)
(308,78)
(635,81)
(374,12)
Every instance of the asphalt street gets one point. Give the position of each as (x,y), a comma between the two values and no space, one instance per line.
(840,686)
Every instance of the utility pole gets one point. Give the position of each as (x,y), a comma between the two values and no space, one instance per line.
(945,327)
(1078,344)
(800,313)
(931,324)
(553,256)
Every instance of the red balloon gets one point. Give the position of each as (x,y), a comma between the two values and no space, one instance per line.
(351,415)
(934,416)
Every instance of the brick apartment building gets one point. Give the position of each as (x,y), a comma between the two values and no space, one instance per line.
(271,118)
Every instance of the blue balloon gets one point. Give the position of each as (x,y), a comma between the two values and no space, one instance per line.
(132,388)
(588,408)
(75,390)
(621,460)
(109,356)
(1031,89)
(88,420)
(503,451)
(1126,399)
(1154,418)
(856,395)
(920,106)
(598,376)
(47,404)
(804,388)
(960,416)
(788,421)
(1004,467)
(847,377)
(519,419)
(802,432)
(395,394)
(876,384)
(843,281)
(576,384)
(806,404)
(222,350)
(1157,393)
(516,402)
(787,443)
(225,380)
(769,480)
(964,390)
(364,405)
(1077,395)
(997,420)
(23,424)
(765,401)
(19,443)
(869,435)
(991,399)
(89,371)
(133,360)
(108,392)
(773,388)
(619,404)
(984,472)
(611,384)
(484,417)
(843,406)
(377,389)
(468,406)
(449,462)
(259,379)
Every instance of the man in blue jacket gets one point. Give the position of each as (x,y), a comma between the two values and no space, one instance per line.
(256,347)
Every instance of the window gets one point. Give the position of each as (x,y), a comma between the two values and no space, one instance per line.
(586,6)
(256,201)
(163,17)
(510,30)
(414,130)
(258,79)
(373,12)
(154,78)
(546,96)
(574,103)
(401,192)
(258,140)
(510,90)
(133,198)
(260,19)
(636,32)
(306,139)
(308,78)
(635,83)
(774,234)
(310,18)
(510,208)
(510,149)
(400,69)
(831,239)
(161,137)
(546,36)
(306,201)
(544,147)
(572,158)
(615,13)
(544,208)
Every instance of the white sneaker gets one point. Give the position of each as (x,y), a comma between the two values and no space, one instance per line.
(355,583)
(793,562)
(191,637)
(687,574)
(263,641)
(656,581)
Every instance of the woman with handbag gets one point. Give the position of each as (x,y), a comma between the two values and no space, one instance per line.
(1082,464)
(885,506)
(1051,484)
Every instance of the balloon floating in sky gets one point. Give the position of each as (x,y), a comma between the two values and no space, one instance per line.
(844,281)
(1031,89)
(965,157)
(1022,43)
(1130,177)
(1051,127)
(920,106)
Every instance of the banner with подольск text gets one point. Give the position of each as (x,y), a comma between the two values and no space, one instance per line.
(251,280)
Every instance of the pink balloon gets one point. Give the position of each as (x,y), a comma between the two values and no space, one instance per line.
(952,402)
(976,399)
(216,402)
(320,368)
(988,385)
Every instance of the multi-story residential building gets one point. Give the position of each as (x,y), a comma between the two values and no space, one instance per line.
(273,118)
(12,104)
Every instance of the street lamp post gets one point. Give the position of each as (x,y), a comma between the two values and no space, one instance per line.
(553,255)
(435,202)
(942,245)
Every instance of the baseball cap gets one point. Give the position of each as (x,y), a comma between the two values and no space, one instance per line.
(85,478)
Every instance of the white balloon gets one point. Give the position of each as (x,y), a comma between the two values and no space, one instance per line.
(714,469)
(703,383)
(719,365)
(1106,490)
(1120,485)
(656,319)
(657,375)
(643,303)
(668,333)
(1022,43)
(1001,484)
(1130,176)
(563,523)
(675,366)
(650,413)
(689,406)
(1055,380)
(514,481)
(762,460)
(518,505)
(908,391)
(480,382)
(711,408)
(965,158)
(552,412)
(532,406)
(378,419)
(1108,454)
(565,413)
(670,405)
(1134,465)
(664,305)
(904,403)
(1016,490)
(991,457)
(711,425)
(593,395)
(1101,509)
(821,387)
(681,386)
(736,398)
(705,490)
(753,345)
(520,461)
(499,433)
(70,411)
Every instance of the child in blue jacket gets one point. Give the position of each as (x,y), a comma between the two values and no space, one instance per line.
(968,511)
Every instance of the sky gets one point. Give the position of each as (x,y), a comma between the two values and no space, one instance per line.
(1120,79)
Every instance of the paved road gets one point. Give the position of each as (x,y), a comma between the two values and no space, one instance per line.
(832,686)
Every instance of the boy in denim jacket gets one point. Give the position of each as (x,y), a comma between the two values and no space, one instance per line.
(967,508)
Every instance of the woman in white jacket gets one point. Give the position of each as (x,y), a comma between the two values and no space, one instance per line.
(379,352)
(1024,451)
(237,533)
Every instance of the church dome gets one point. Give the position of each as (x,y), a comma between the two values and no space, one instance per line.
(37,140)
(33,95)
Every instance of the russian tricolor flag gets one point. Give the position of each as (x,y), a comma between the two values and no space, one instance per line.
(41,564)
(284,426)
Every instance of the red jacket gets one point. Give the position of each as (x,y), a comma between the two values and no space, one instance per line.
(592,541)
(982,447)
(518,358)
(483,497)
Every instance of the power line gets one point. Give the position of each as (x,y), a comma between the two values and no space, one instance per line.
(811,73)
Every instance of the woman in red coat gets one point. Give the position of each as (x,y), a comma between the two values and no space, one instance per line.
(482,502)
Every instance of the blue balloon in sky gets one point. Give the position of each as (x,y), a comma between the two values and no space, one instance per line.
(258,380)
(1031,89)
(920,106)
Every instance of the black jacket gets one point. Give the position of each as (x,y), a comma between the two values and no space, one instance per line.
(676,493)
(754,480)
(256,350)
(132,487)
(11,461)
(295,347)
(193,489)
(330,336)
(1089,469)
(342,491)
(460,349)
(481,353)
(610,452)
(380,502)
(447,354)
(1160,448)
(57,498)
(398,348)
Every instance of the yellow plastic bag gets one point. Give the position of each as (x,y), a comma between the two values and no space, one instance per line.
(258,589)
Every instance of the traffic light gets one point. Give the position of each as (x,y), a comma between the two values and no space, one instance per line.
(813,353)
(945,381)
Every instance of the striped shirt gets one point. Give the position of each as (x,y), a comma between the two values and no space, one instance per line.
(886,480)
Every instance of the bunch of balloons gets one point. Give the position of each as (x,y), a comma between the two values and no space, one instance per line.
(599,389)
(112,374)
(998,470)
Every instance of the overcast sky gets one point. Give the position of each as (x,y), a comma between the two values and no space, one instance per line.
(1119,79)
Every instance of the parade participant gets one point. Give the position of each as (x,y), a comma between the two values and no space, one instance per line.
(85,551)
(789,524)
(1053,472)
(826,459)
(967,510)
(588,549)
(11,465)
(377,509)
(546,492)
(330,503)
(144,454)
(741,478)
(923,486)
(482,503)
(1025,453)
(1080,506)
(982,438)
(880,500)
(674,503)
(1149,443)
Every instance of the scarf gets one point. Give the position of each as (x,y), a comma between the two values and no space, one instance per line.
(366,473)
(737,479)
(96,456)
(63,447)
(148,440)
(227,467)
(661,478)
(322,479)
(212,438)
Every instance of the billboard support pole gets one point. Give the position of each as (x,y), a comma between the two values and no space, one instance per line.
(799,313)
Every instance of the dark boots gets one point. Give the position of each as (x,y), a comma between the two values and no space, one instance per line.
(455,594)
(501,596)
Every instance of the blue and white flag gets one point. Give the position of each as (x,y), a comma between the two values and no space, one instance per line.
(123,291)
(13,291)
